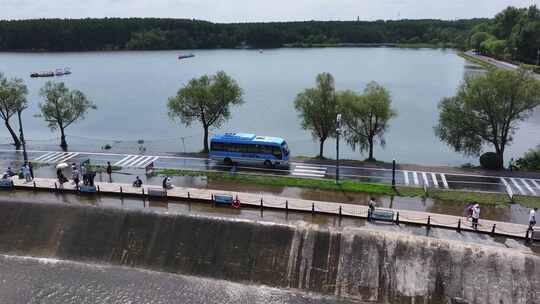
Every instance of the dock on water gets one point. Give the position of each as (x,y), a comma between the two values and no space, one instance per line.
(286,204)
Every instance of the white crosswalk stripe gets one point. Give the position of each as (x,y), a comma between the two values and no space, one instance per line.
(535,183)
(424,178)
(434,178)
(51,157)
(406,176)
(507,186)
(44,156)
(531,190)
(415,178)
(515,183)
(153,159)
(444,181)
(67,157)
(309,171)
(125,159)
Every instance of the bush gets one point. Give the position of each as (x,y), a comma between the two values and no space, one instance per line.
(530,160)
(490,161)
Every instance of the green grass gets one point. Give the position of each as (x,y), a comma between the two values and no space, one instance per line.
(98,168)
(449,196)
(482,63)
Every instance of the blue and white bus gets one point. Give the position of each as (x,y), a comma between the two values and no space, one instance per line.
(249,148)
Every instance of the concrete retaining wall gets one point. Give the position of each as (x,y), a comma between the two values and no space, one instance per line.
(382,267)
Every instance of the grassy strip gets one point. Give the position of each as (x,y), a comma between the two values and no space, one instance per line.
(450,196)
(286,181)
(482,63)
(102,169)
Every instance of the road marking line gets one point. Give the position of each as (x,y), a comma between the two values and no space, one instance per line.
(406,175)
(133,161)
(514,181)
(149,162)
(415,177)
(535,184)
(424,177)
(52,156)
(434,178)
(141,161)
(123,160)
(72,155)
(57,157)
(307,174)
(44,156)
(528,186)
(310,171)
(311,168)
(443,178)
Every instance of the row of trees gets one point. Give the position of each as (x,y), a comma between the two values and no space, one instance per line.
(61,107)
(365,116)
(512,34)
(154,33)
(208,100)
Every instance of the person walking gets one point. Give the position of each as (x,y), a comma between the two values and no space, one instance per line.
(475,216)
(371,208)
(31,168)
(26,173)
(109,171)
(532,218)
(75,175)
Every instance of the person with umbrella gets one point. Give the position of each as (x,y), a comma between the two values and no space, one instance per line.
(59,174)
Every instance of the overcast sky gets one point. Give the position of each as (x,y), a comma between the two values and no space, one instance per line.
(258,10)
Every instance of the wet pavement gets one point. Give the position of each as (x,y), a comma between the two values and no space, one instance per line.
(523,185)
(38,280)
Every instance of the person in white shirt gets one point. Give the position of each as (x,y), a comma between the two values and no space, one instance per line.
(475,216)
(532,218)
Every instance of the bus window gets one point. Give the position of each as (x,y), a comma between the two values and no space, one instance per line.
(276,151)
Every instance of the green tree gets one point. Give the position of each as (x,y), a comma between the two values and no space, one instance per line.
(12,101)
(487,110)
(477,39)
(495,47)
(366,117)
(208,100)
(317,109)
(62,107)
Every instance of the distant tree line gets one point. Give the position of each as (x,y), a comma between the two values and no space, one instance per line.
(154,33)
(514,34)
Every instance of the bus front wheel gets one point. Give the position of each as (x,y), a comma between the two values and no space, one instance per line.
(268,164)
(228,161)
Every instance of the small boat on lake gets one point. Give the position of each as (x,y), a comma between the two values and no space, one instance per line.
(42,74)
(62,72)
(186,56)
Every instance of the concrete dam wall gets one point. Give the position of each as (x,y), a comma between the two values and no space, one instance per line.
(355,263)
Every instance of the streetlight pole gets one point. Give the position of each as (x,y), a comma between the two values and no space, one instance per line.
(338,133)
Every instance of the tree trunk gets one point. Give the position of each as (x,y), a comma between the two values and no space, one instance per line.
(205,144)
(500,159)
(321,148)
(16,141)
(21,134)
(63,143)
(370,141)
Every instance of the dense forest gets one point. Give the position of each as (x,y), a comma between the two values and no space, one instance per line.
(514,32)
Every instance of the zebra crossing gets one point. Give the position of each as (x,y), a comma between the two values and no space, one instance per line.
(523,186)
(428,179)
(309,171)
(55,157)
(136,161)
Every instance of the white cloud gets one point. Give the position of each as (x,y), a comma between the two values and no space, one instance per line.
(258,10)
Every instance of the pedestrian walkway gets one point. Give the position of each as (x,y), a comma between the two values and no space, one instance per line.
(428,179)
(283,203)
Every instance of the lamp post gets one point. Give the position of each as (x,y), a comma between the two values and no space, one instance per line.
(338,133)
(394,173)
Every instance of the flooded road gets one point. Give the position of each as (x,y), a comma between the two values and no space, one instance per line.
(36,280)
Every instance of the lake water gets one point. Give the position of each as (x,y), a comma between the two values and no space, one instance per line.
(131,91)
